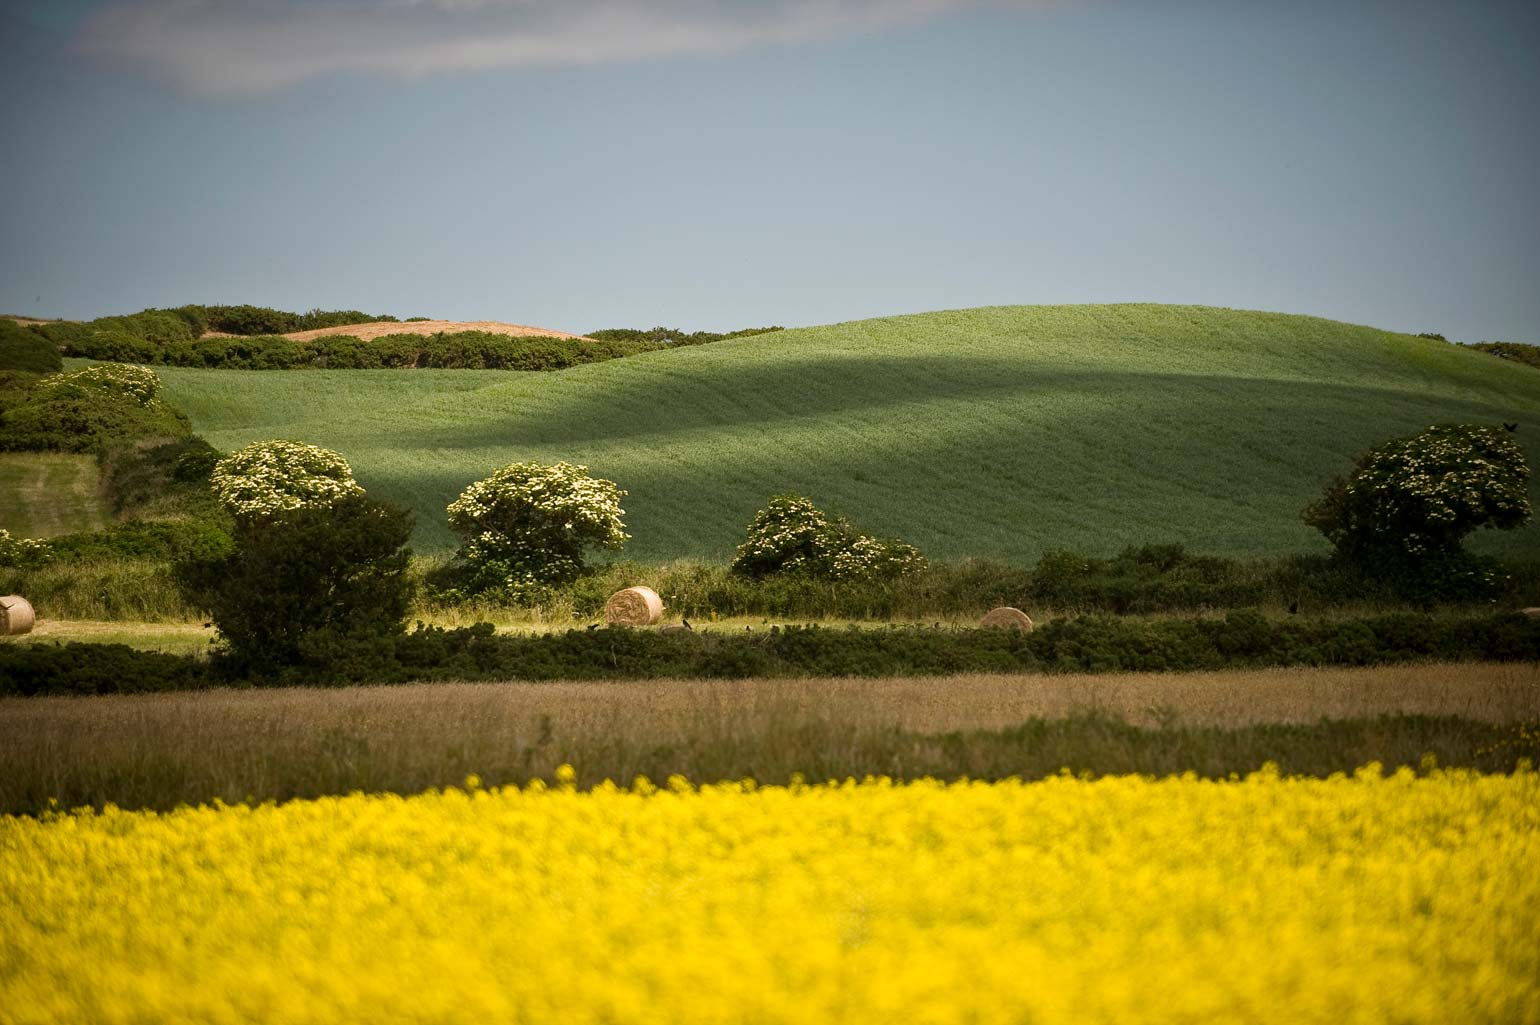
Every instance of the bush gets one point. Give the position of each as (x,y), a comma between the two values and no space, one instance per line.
(1415,499)
(269,477)
(88,411)
(793,536)
(137,383)
(317,588)
(526,526)
(27,351)
(162,541)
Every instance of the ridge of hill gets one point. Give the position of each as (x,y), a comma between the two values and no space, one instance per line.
(999,432)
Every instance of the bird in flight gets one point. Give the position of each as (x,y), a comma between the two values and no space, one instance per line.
(1509,426)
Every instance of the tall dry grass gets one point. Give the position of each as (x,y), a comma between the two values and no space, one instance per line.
(158,750)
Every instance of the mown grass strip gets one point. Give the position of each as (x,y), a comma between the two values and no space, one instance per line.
(45,494)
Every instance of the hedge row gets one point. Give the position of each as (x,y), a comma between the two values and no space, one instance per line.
(463,350)
(1242,639)
(1515,352)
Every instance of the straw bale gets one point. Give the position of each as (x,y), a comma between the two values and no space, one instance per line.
(1532,612)
(1006,618)
(16,615)
(634,606)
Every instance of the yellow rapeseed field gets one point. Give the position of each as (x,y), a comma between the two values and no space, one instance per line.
(1357,899)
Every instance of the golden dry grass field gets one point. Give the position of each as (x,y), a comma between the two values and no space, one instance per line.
(159,750)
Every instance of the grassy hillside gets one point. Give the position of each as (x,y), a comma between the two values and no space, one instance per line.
(43,494)
(994,432)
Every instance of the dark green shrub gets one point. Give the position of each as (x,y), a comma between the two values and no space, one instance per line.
(249,320)
(27,351)
(160,540)
(261,320)
(1147,578)
(75,668)
(314,589)
(115,345)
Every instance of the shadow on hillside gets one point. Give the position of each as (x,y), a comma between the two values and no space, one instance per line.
(1089,460)
(655,403)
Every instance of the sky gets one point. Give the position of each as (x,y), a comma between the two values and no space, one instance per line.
(580,164)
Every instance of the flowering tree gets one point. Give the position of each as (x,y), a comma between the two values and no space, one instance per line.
(792,535)
(527,525)
(140,383)
(269,477)
(1416,498)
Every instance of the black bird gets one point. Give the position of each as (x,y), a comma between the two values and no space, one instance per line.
(1509,426)
(1294,608)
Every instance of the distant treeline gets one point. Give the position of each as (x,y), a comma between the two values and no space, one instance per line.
(463,350)
(1515,352)
(174,337)
(667,337)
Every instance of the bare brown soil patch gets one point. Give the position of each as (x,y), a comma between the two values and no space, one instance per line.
(379,328)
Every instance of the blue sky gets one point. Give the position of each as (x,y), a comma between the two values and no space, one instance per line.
(580,164)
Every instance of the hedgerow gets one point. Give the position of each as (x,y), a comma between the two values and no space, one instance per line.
(1089,644)
(460,350)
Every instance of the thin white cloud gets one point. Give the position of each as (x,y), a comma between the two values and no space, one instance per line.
(243,46)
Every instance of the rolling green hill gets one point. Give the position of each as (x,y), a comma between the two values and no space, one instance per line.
(997,432)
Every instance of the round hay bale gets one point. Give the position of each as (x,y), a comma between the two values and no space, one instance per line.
(1533,612)
(1006,618)
(16,615)
(634,606)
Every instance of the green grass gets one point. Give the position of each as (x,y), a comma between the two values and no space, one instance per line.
(45,494)
(997,432)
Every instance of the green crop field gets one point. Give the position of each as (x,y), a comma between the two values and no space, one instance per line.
(43,494)
(996,432)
